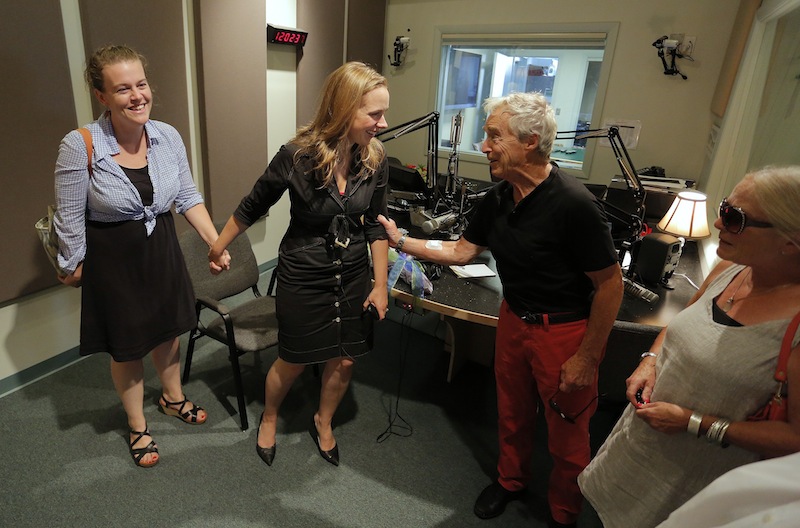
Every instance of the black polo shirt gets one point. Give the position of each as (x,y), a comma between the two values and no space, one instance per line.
(544,245)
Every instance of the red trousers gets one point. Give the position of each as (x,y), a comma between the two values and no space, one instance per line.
(528,359)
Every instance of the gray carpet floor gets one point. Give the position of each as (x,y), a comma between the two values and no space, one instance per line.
(416,450)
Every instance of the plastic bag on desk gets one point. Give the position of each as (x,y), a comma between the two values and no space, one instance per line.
(405,267)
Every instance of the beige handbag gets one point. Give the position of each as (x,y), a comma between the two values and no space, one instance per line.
(45,227)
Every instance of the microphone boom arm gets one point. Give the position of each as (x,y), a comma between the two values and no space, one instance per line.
(431,121)
(620,153)
(444,211)
(634,221)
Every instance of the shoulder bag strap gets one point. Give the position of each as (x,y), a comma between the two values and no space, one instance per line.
(87,138)
(786,349)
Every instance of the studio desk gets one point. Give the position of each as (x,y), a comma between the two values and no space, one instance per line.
(470,307)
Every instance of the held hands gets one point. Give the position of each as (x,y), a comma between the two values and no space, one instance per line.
(218,262)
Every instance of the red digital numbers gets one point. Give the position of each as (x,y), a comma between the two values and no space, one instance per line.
(290,37)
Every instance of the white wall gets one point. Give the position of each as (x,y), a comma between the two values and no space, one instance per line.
(732,153)
(43,325)
(265,235)
(674,113)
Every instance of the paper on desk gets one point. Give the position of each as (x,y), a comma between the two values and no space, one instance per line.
(471,271)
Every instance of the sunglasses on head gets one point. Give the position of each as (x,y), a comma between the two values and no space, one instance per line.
(734,220)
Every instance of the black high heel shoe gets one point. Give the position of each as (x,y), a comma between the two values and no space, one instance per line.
(331,456)
(267,454)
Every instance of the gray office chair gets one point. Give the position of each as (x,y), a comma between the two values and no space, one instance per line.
(626,343)
(250,326)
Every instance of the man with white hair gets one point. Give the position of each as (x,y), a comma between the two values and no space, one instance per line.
(562,288)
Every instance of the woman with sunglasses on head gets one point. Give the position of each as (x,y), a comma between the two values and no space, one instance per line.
(712,367)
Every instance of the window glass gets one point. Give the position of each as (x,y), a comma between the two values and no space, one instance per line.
(566,72)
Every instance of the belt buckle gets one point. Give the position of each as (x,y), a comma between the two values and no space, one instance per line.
(342,244)
(532,318)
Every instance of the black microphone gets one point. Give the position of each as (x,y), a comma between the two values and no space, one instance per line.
(455,130)
(638,291)
(478,195)
(439,222)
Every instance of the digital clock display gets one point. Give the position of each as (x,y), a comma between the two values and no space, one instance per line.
(282,35)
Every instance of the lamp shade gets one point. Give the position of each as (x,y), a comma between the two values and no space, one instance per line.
(686,216)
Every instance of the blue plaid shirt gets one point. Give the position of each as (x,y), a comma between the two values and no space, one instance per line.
(108,195)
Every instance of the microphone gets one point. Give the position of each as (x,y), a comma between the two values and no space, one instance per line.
(439,222)
(478,195)
(455,129)
(452,162)
(638,291)
(431,178)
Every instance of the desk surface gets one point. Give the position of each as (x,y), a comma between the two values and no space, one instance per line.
(478,300)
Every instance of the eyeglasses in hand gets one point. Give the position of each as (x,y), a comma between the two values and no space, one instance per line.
(571,419)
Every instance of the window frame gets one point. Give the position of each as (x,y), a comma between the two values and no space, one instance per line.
(546,35)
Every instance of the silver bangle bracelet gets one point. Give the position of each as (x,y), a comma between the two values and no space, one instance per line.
(716,432)
(722,430)
(399,245)
(711,434)
(694,424)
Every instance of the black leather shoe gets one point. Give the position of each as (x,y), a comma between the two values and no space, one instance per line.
(493,499)
(267,454)
(331,456)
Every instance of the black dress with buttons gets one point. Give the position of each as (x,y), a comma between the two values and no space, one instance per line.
(323,272)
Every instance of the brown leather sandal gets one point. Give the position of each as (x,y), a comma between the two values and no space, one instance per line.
(189,416)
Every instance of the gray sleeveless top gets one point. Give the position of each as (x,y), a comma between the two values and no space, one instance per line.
(640,475)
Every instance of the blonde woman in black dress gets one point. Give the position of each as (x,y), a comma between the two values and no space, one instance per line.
(336,173)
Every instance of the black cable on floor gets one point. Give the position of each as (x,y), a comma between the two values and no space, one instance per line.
(398,426)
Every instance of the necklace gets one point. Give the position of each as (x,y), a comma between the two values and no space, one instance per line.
(729,302)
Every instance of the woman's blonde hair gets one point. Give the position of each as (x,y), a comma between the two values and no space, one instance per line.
(777,191)
(325,137)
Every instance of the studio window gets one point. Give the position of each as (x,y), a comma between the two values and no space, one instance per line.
(566,67)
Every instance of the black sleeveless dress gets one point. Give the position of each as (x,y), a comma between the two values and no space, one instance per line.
(136,292)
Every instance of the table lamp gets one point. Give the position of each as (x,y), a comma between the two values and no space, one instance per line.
(686,216)
(659,253)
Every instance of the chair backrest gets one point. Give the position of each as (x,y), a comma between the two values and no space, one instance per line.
(626,343)
(242,275)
